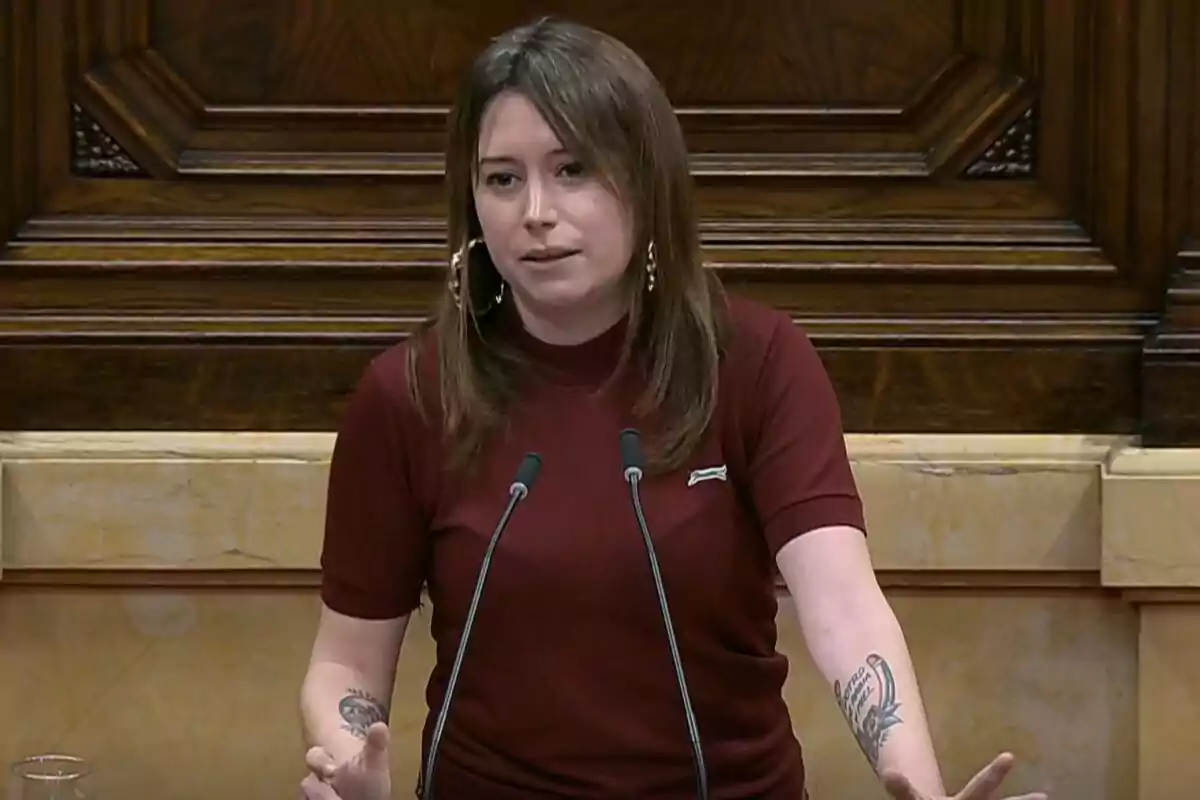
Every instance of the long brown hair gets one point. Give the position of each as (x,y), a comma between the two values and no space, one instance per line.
(610,112)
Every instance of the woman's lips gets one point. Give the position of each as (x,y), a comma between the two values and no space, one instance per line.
(548,255)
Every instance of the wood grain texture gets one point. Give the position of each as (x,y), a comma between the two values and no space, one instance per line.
(977,209)
(374,54)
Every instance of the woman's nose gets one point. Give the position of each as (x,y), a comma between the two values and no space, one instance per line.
(539,206)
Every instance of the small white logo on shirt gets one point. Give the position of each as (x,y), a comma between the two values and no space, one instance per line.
(720,473)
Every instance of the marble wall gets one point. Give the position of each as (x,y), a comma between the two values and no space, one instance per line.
(157,604)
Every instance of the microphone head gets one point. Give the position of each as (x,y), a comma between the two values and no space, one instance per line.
(632,459)
(527,473)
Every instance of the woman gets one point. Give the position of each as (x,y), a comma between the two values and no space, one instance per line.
(577,306)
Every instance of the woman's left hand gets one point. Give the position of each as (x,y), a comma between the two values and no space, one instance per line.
(982,787)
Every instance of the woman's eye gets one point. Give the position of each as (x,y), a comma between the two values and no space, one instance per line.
(500,180)
(573,169)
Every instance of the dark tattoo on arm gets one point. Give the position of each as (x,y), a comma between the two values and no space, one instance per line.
(868,700)
(360,710)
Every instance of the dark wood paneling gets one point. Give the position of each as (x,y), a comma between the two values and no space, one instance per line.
(17,134)
(69,579)
(1172,362)
(974,206)
(315,52)
(148,382)
(1171,385)
(9,218)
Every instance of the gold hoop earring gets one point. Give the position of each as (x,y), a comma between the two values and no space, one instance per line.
(456,267)
(651,266)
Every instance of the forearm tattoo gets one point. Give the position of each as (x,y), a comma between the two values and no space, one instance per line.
(868,700)
(360,710)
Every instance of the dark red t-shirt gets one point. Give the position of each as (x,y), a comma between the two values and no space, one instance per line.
(568,688)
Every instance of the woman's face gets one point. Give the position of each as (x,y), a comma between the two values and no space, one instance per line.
(558,235)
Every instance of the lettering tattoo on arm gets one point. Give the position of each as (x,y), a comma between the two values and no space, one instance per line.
(868,701)
(360,710)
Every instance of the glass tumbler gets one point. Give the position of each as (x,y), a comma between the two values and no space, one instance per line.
(50,777)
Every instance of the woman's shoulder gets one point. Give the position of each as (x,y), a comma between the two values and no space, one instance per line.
(760,334)
(396,378)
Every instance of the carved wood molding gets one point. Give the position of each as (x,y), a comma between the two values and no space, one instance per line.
(744,250)
(65,228)
(191,138)
(241,323)
(139,95)
(1171,362)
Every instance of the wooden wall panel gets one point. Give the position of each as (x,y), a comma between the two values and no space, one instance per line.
(17,134)
(1172,367)
(975,207)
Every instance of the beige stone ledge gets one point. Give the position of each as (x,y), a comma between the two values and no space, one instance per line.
(303,446)
(973,509)
(165,446)
(1164,463)
(1151,519)
(949,448)
(983,503)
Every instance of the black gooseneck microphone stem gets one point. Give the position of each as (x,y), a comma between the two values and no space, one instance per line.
(517,492)
(631,452)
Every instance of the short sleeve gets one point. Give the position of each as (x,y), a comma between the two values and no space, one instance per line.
(376,549)
(800,475)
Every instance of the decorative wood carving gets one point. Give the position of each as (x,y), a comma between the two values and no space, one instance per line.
(94,153)
(1012,154)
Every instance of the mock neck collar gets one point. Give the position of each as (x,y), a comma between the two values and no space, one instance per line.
(589,362)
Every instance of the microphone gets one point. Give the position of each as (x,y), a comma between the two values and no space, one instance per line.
(631,457)
(527,473)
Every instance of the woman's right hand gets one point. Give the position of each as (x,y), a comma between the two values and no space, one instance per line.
(366,776)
